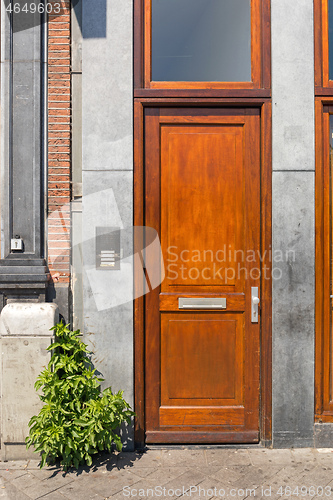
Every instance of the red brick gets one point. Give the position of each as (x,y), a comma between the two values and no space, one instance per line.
(62,259)
(60,112)
(60,62)
(58,105)
(59,87)
(56,80)
(60,34)
(59,164)
(60,120)
(55,139)
(55,40)
(58,53)
(60,127)
(56,134)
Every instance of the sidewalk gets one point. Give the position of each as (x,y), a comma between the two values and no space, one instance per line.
(209,473)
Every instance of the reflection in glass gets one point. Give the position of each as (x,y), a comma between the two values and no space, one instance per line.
(201,40)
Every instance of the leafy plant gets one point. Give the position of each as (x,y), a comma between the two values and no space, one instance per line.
(77,420)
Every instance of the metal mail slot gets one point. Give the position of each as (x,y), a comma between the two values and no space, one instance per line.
(202,303)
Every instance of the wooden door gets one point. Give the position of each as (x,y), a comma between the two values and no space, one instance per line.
(202,195)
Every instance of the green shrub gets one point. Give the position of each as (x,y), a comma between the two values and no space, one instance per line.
(77,420)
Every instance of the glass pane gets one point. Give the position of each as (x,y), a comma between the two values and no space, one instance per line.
(201,40)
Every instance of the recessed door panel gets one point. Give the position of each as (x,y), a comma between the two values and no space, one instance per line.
(196,196)
(202,171)
(201,359)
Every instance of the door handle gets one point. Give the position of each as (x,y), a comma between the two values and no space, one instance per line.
(255,304)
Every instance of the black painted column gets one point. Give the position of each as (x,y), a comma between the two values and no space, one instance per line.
(23,272)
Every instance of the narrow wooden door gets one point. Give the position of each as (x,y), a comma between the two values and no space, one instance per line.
(202,196)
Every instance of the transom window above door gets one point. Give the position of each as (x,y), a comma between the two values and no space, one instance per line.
(201,40)
(203,44)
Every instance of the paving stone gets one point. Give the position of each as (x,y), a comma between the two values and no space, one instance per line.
(291,477)
(209,470)
(328,491)
(264,457)
(296,472)
(227,457)
(9,475)
(110,484)
(42,487)
(54,495)
(230,475)
(158,479)
(117,496)
(77,491)
(318,476)
(184,458)
(257,476)
(325,459)
(205,490)
(25,481)
(163,475)
(142,471)
(18,464)
(153,458)
(47,473)
(3,493)
(10,492)
(182,483)
(107,460)
(33,464)
(304,454)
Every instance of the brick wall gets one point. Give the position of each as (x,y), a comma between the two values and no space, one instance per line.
(59,142)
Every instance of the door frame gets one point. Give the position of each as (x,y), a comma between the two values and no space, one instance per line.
(260,60)
(323,364)
(266,242)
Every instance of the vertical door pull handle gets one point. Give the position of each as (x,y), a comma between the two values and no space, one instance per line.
(255,304)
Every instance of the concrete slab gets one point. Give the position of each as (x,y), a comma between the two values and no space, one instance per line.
(227,457)
(184,458)
(28,319)
(24,336)
(259,457)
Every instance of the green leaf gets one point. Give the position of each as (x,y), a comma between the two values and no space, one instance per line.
(76,419)
(43,461)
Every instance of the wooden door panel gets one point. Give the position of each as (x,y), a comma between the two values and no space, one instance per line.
(202,171)
(187,417)
(212,186)
(169,301)
(202,359)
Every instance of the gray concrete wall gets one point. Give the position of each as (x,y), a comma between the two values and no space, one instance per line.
(107,183)
(76,273)
(293,222)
